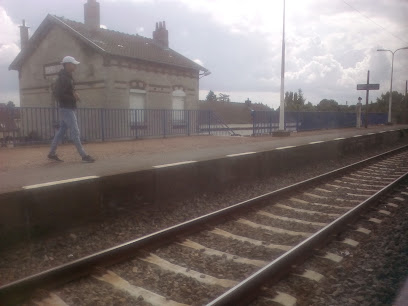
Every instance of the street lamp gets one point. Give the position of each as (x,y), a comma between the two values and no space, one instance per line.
(282,87)
(392,70)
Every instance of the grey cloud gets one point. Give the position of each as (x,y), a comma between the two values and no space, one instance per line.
(251,61)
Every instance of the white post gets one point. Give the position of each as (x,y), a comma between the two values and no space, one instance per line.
(358,112)
(282,89)
(390,101)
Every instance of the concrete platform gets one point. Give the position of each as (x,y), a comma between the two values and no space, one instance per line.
(34,200)
(24,166)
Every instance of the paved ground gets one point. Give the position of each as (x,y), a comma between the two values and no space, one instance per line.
(24,166)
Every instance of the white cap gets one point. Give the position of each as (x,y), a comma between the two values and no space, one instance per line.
(69,59)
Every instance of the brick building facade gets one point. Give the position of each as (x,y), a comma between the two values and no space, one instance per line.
(117,70)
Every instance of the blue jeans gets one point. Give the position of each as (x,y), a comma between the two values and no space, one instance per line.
(68,120)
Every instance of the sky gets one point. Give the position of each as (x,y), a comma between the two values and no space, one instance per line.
(330,44)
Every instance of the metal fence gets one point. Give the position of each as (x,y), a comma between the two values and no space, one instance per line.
(26,125)
(265,122)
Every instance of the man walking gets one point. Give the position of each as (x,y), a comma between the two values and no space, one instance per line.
(67,98)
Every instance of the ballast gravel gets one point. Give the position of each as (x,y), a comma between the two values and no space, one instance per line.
(243,249)
(216,266)
(370,274)
(291,226)
(130,222)
(264,236)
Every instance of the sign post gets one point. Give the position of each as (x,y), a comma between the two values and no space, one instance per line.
(367,87)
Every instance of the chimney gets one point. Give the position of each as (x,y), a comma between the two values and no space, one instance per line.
(92,15)
(161,35)
(23,35)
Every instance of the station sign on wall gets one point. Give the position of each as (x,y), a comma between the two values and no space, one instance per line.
(52,69)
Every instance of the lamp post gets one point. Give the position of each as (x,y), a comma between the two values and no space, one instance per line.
(282,88)
(392,70)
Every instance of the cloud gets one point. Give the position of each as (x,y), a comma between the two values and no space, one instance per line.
(198,61)
(329,45)
(7,53)
(9,38)
(329,48)
(347,50)
(9,48)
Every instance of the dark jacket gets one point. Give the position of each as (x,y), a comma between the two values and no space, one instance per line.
(64,90)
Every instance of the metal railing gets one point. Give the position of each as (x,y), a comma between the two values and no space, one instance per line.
(265,122)
(26,125)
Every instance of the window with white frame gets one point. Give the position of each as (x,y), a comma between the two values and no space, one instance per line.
(137,105)
(178,105)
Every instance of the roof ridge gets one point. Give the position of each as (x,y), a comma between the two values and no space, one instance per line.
(150,40)
(103,29)
(111,42)
(80,34)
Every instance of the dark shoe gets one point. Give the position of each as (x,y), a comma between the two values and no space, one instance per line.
(88,159)
(54,157)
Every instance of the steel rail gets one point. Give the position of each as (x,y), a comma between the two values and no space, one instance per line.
(20,290)
(245,292)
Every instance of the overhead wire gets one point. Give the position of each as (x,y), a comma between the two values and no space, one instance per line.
(375,22)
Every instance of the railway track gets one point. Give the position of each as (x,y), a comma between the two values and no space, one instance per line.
(222,258)
(351,278)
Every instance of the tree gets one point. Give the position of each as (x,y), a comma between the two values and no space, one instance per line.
(309,107)
(211,97)
(381,104)
(399,110)
(223,97)
(294,101)
(10,104)
(326,105)
(343,108)
(397,100)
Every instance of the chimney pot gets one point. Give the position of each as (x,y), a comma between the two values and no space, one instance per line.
(23,35)
(161,35)
(92,15)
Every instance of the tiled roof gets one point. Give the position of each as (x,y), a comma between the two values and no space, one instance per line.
(114,43)
(132,46)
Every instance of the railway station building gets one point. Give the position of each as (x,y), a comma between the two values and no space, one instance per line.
(117,70)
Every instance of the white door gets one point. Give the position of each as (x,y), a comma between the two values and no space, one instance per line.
(137,104)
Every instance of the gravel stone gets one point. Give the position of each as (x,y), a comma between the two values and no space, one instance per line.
(212,265)
(134,219)
(369,274)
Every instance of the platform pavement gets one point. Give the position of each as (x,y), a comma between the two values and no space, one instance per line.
(25,166)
